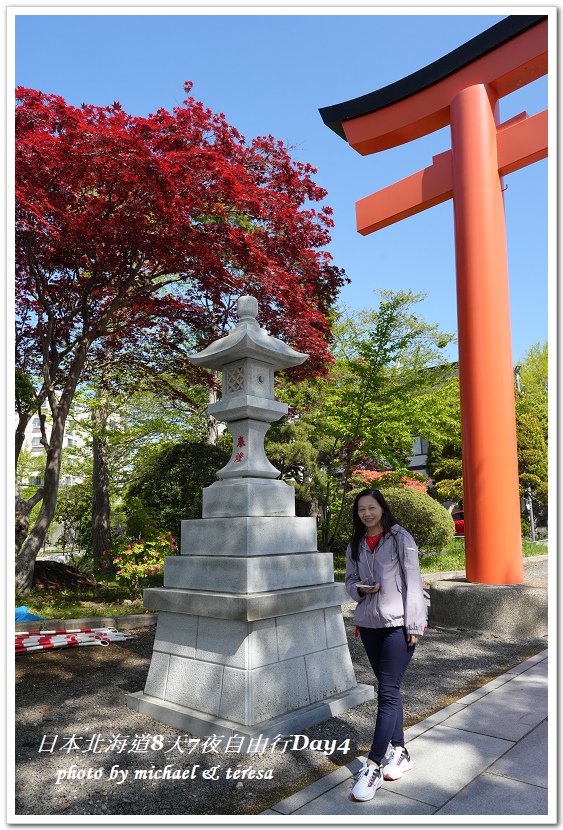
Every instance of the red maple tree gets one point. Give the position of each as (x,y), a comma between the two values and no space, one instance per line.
(134,227)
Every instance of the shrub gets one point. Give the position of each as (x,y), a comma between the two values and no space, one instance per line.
(389,478)
(428,522)
(137,562)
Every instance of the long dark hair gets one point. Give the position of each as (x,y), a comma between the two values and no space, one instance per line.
(359,531)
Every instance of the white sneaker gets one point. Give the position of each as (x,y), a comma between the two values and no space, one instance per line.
(388,755)
(368,782)
(396,764)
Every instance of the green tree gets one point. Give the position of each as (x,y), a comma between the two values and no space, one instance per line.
(292,446)
(124,418)
(532,461)
(388,383)
(533,394)
(444,466)
(74,511)
(532,427)
(170,487)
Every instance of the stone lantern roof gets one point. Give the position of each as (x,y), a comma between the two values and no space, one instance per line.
(248,340)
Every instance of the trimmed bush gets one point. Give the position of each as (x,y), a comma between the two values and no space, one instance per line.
(429,523)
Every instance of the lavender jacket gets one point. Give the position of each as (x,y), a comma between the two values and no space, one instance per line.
(400,599)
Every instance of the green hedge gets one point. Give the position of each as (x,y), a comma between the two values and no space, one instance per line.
(428,522)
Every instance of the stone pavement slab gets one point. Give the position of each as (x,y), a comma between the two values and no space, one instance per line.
(527,760)
(494,795)
(512,710)
(327,782)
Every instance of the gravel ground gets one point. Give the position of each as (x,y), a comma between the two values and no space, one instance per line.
(82,693)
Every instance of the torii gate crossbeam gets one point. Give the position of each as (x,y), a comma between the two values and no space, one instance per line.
(462,89)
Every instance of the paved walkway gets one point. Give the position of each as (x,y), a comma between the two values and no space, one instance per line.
(487,755)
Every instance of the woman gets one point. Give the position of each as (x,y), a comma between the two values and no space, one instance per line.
(383,576)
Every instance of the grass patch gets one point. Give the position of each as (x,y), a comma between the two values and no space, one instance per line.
(105,600)
(452,558)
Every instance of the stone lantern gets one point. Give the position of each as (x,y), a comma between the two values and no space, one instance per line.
(248,358)
(250,637)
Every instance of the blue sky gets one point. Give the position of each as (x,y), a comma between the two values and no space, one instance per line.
(270,73)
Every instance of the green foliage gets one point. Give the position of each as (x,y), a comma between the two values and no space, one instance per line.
(293,447)
(382,389)
(170,488)
(26,397)
(428,522)
(532,428)
(532,461)
(136,425)
(533,397)
(139,520)
(29,465)
(445,467)
(135,561)
(74,511)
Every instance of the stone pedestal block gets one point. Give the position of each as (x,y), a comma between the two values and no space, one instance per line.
(248,535)
(244,606)
(243,677)
(248,497)
(247,575)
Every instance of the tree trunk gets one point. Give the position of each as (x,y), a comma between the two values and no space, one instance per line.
(22,522)
(101,532)
(212,423)
(23,511)
(336,528)
(20,433)
(25,559)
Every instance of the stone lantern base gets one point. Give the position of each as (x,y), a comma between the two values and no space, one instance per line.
(248,642)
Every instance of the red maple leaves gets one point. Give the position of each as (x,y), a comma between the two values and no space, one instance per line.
(125,221)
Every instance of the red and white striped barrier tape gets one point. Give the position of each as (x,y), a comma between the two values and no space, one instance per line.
(65,631)
(29,641)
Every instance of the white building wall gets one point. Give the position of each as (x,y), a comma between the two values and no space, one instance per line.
(73,438)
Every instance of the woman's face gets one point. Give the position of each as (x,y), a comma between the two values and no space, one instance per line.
(370,513)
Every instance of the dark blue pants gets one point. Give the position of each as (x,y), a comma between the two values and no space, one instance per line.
(389,655)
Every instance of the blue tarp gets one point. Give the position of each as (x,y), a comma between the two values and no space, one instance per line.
(22,614)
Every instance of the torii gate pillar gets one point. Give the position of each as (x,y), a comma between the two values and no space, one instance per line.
(462,89)
(485,358)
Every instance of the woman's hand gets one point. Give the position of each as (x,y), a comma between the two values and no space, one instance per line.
(413,639)
(368,589)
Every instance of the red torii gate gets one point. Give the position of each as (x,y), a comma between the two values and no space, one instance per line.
(462,89)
